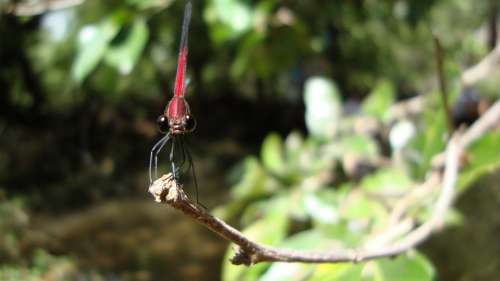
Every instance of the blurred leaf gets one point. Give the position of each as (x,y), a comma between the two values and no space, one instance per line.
(406,267)
(293,144)
(387,181)
(337,272)
(94,41)
(283,271)
(124,55)
(272,154)
(379,101)
(269,230)
(401,133)
(431,141)
(362,212)
(358,145)
(308,240)
(305,240)
(148,4)
(483,158)
(320,206)
(231,17)
(323,108)
(253,181)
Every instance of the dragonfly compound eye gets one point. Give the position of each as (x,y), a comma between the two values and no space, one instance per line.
(190,123)
(163,125)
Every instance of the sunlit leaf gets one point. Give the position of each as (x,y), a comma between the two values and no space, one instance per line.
(272,154)
(358,145)
(148,4)
(406,267)
(431,141)
(305,240)
(361,212)
(235,17)
(387,181)
(337,272)
(401,133)
(282,271)
(252,182)
(322,107)
(269,230)
(293,144)
(483,157)
(94,41)
(380,99)
(124,55)
(321,207)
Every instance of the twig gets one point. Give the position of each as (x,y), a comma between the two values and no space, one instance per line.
(166,190)
(483,69)
(34,8)
(488,120)
(442,83)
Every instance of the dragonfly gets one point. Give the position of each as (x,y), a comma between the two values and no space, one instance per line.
(176,121)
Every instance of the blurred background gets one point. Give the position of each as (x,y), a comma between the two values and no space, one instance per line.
(298,141)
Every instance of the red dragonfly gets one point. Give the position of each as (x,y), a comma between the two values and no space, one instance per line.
(176,120)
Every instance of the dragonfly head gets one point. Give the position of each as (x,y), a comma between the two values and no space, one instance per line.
(183,125)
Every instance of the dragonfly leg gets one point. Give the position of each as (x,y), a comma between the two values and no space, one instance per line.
(191,167)
(154,151)
(183,150)
(175,171)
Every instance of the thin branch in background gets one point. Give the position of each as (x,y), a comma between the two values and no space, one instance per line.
(34,8)
(483,69)
(166,190)
(493,24)
(443,89)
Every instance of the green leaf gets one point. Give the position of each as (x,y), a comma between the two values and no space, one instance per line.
(323,108)
(321,207)
(305,240)
(379,100)
(282,271)
(362,212)
(293,144)
(235,16)
(387,181)
(483,158)
(148,4)
(272,154)
(430,142)
(337,272)
(253,181)
(270,230)
(94,41)
(124,55)
(408,267)
(358,145)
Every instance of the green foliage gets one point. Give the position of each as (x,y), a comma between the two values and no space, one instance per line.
(343,212)
(379,100)
(482,158)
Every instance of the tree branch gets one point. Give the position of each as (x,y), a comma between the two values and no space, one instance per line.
(34,8)
(166,190)
(483,69)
